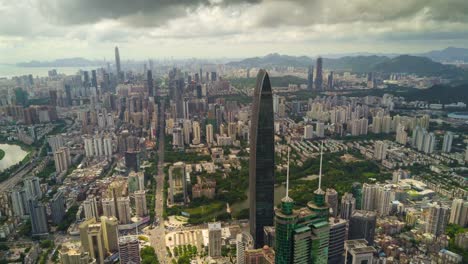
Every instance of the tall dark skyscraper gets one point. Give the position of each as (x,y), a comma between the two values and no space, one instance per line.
(117,62)
(262,159)
(319,74)
(330,81)
(93,79)
(150,83)
(310,78)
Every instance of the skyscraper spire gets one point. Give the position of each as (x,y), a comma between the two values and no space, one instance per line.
(320,171)
(287,178)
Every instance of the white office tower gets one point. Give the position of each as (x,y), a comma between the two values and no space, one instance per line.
(33,188)
(369,194)
(320,129)
(187,126)
(308,132)
(108,207)
(90,208)
(196,133)
(358,252)
(437,219)
(380,150)
(88,146)
(140,203)
(177,138)
(401,135)
(348,205)
(429,143)
(110,120)
(62,159)
(123,210)
(244,241)
(447,144)
(55,142)
(214,239)
(459,213)
(275,103)
(108,146)
(209,134)
(101,121)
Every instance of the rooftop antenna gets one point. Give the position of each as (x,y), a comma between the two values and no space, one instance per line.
(287,177)
(320,172)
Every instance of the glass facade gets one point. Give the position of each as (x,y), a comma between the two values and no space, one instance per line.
(262,160)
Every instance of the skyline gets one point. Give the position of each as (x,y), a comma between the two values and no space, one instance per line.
(148,29)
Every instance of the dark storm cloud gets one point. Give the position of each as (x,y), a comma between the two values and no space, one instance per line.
(137,13)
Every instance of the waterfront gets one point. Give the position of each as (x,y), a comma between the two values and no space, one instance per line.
(13,155)
(8,71)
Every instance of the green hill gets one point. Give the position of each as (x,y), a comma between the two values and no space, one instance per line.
(420,66)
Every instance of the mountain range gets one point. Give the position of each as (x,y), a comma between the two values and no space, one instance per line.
(418,65)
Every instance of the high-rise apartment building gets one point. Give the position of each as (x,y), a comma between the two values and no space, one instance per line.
(348,205)
(38,218)
(214,239)
(437,219)
(62,159)
(331,197)
(262,160)
(244,241)
(110,233)
(447,143)
(123,210)
(108,207)
(196,133)
(209,134)
(140,203)
(57,207)
(129,249)
(90,208)
(459,212)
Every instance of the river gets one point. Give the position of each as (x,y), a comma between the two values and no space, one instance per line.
(13,155)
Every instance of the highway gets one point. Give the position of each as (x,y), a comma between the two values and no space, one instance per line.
(157,234)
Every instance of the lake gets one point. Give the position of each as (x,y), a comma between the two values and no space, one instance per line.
(280,192)
(13,155)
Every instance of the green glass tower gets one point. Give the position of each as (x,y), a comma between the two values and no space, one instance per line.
(302,235)
(356,190)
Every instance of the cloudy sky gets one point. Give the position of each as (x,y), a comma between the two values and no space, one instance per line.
(50,29)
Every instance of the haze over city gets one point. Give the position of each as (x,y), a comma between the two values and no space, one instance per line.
(52,29)
(233,132)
